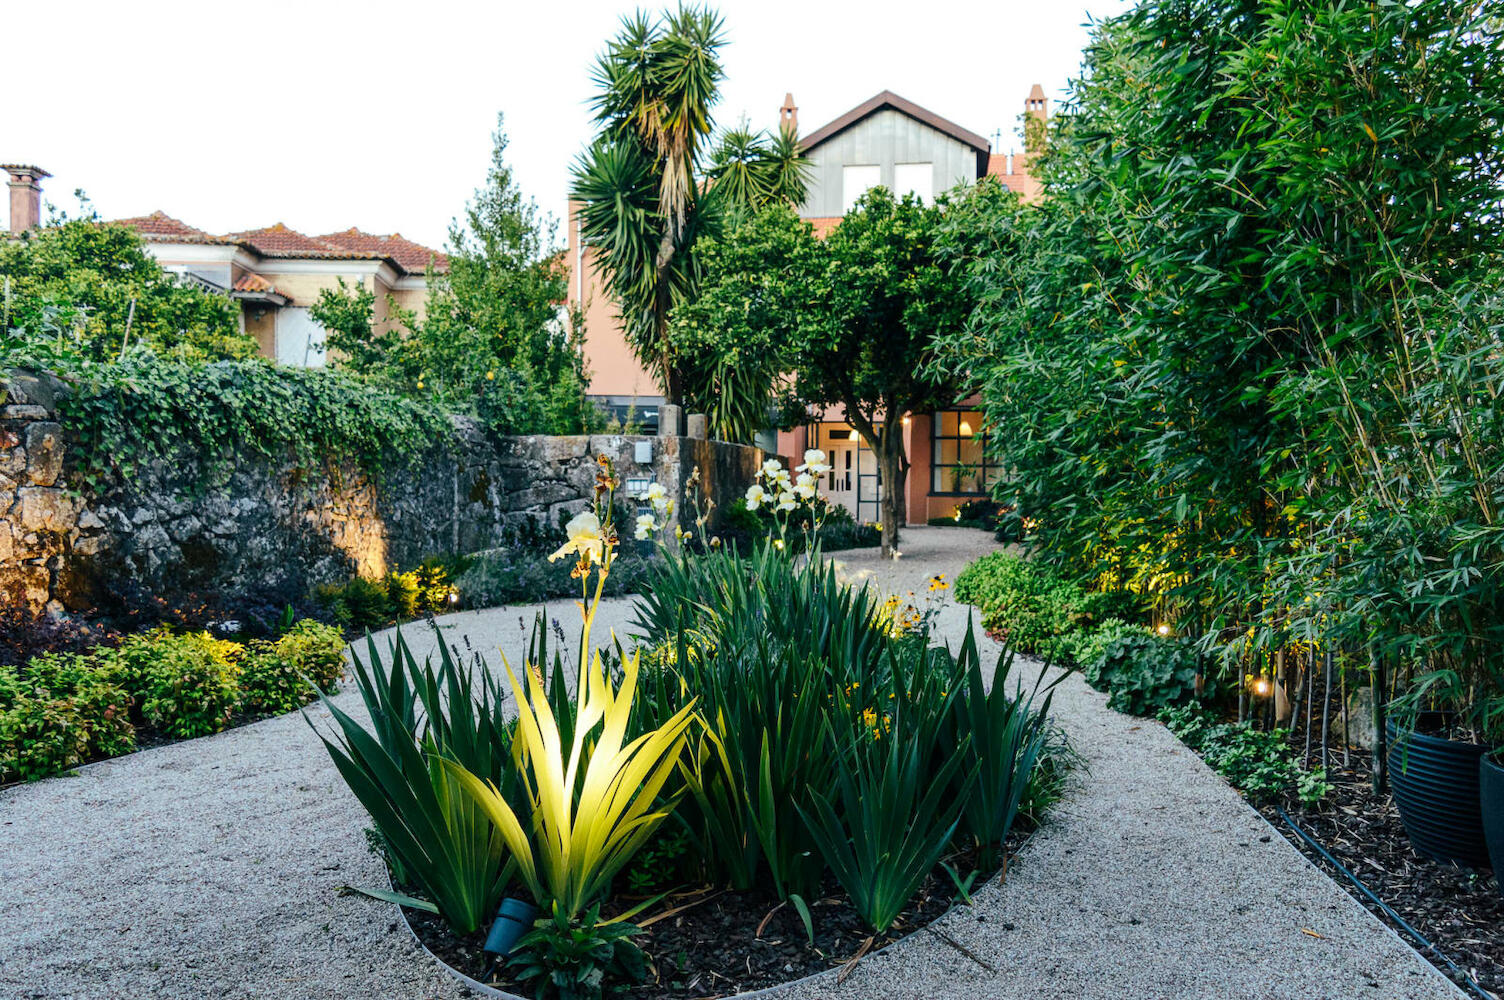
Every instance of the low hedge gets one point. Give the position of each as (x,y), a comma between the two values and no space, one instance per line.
(63,709)
(1033,609)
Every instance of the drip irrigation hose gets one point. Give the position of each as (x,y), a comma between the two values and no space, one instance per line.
(1426,946)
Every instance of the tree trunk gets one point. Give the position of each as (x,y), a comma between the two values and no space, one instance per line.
(892,464)
(887,445)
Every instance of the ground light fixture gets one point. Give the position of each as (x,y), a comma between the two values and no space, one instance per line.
(1163,628)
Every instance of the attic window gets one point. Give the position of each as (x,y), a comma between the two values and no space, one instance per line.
(856,181)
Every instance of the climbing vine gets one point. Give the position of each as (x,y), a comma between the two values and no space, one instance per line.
(146,407)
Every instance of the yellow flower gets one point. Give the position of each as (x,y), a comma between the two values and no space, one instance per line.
(585,538)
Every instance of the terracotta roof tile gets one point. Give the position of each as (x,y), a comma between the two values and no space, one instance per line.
(254,283)
(277,240)
(164,228)
(412,257)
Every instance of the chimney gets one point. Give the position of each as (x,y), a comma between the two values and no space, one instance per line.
(25,196)
(788,115)
(1035,104)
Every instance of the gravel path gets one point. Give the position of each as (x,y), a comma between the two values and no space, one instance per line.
(209,869)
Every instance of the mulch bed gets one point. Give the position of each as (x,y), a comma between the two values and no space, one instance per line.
(722,943)
(1460,912)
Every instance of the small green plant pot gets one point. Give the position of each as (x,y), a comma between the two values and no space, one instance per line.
(1491,797)
(514,919)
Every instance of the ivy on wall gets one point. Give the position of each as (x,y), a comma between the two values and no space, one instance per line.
(145,407)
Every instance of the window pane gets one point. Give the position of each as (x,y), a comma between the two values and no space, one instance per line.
(949,452)
(948,423)
(915,178)
(855,180)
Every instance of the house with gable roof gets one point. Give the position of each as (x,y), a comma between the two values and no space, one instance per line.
(886,140)
(276,274)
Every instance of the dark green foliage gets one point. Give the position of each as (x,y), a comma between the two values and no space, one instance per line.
(1017,759)
(435,836)
(838,529)
(1143,673)
(363,604)
(661,863)
(279,676)
(76,284)
(146,406)
(581,959)
(815,703)
(57,712)
(983,514)
(1029,604)
(1084,647)
(519,572)
(183,685)
(886,824)
(1259,764)
(1246,345)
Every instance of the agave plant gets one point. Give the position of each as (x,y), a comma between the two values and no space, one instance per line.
(590,802)
(435,836)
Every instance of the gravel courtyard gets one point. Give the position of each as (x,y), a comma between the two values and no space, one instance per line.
(209,869)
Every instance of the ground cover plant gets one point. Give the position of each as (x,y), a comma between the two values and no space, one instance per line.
(1031,606)
(59,710)
(775,736)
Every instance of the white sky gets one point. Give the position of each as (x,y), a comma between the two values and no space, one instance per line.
(324,114)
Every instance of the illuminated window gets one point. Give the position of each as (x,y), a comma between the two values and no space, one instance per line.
(958,454)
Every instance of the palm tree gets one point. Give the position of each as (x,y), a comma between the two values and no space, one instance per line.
(645,198)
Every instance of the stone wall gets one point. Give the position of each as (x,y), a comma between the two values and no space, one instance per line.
(258,525)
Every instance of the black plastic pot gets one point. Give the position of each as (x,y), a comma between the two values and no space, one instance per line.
(1435,783)
(1491,797)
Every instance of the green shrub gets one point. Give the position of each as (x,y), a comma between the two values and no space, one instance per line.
(524,575)
(184,685)
(273,674)
(1143,673)
(580,959)
(57,713)
(1259,764)
(1031,607)
(1085,647)
(361,604)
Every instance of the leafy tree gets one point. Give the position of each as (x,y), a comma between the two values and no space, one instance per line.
(733,342)
(492,340)
(880,297)
(82,288)
(850,319)
(1242,349)
(347,314)
(647,197)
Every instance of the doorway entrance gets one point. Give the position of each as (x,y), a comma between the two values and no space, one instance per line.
(854,480)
